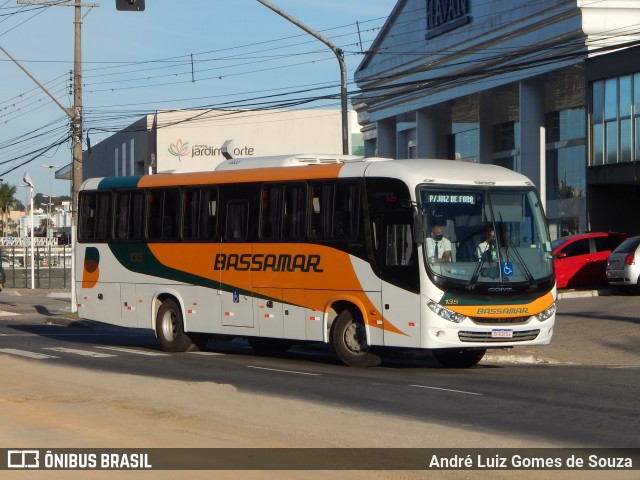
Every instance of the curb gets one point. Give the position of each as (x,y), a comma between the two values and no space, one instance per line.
(520,360)
(598,292)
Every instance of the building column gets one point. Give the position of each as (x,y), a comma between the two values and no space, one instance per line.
(427,133)
(532,134)
(387,138)
(485,130)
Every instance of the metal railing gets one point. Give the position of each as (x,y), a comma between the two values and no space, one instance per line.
(52,266)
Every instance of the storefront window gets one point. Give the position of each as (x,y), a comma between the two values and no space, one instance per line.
(465,142)
(615,137)
(597,147)
(624,97)
(566,173)
(625,140)
(611,140)
(610,99)
(565,125)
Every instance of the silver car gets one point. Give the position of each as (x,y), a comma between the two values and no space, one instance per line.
(623,265)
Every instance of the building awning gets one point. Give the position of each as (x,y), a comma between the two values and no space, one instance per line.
(64,173)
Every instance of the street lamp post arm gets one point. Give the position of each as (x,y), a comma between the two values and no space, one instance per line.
(343,69)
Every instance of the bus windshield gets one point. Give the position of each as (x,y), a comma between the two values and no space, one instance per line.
(485,236)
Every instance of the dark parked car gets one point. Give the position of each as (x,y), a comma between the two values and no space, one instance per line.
(582,259)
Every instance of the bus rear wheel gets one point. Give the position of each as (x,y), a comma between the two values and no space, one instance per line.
(349,342)
(170,329)
(459,357)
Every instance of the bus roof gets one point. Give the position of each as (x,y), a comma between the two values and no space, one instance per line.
(451,172)
(294,160)
(265,169)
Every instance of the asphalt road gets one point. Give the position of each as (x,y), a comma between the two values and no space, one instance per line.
(551,403)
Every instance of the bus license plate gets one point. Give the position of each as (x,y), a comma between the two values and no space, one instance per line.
(502,333)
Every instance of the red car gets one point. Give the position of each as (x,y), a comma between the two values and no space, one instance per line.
(582,259)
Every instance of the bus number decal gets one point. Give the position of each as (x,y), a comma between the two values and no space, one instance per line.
(136,257)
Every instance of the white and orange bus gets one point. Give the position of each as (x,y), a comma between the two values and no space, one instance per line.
(293,249)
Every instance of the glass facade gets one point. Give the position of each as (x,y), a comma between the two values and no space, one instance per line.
(566,153)
(506,145)
(566,182)
(464,142)
(615,120)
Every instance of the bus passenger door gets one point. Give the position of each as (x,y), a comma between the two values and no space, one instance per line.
(129,304)
(399,270)
(235,281)
(269,312)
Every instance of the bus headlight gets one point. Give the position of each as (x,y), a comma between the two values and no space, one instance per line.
(445,313)
(546,314)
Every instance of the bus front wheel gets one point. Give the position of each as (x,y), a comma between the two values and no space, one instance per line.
(349,342)
(459,357)
(170,329)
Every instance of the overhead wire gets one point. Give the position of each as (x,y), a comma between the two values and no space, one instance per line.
(306,100)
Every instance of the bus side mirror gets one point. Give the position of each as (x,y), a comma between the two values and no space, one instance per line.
(418,228)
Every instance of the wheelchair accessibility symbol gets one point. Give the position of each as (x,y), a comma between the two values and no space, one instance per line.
(507,269)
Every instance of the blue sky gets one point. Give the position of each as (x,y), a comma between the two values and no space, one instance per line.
(175,54)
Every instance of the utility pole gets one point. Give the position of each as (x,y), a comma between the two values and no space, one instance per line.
(75,114)
(343,69)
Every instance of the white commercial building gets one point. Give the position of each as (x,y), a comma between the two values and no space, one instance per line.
(193,140)
(549,88)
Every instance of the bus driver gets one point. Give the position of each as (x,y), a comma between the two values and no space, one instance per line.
(438,247)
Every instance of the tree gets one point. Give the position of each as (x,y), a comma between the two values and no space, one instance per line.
(7,199)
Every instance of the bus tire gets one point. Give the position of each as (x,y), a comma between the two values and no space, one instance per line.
(269,346)
(349,342)
(170,328)
(459,357)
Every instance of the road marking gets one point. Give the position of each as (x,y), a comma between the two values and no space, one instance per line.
(131,350)
(24,353)
(206,353)
(84,353)
(447,390)
(4,313)
(283,371)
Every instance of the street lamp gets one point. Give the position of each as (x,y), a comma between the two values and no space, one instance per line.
(27,179)
(343,68)
(49,222)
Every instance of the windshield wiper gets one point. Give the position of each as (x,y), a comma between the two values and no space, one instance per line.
(478,269)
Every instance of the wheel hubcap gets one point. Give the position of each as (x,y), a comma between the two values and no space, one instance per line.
(354,337)
(169,326)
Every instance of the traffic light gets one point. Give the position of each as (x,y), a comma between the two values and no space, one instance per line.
(130,5)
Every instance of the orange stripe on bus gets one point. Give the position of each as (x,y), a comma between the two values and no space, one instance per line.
(242,176)
(329,278)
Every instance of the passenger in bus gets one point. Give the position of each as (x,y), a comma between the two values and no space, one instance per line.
(488,242)
(438,247)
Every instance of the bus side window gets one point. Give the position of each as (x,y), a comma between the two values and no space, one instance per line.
(208,213)
(237,221)
(271,212)
(294,218)
(164,213)
(345,213)
(191,203)
(136,217)
(122,215)
(86,228)
(171,213)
